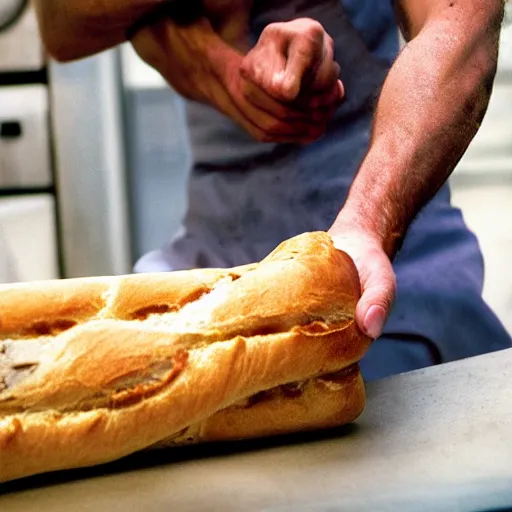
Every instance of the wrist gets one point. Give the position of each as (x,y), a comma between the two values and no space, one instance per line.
(368,221)
(380,203)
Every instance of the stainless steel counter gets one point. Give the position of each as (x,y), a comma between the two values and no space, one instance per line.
(436,439)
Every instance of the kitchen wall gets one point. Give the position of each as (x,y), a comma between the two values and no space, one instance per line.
(29,245)
(482,186)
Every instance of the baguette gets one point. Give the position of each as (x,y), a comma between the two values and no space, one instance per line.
(93,369)
(317,403)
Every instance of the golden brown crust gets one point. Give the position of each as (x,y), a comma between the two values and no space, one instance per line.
(320,403)
(32,309)
(149,355)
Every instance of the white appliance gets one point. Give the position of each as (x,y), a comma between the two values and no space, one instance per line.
(28,238)
(20,45)
(24,138)
(90,180)
(28,225)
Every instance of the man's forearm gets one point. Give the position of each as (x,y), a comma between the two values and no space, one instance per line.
(189,58)
(430,108)
(73,29)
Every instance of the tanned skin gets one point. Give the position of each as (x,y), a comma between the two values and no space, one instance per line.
(430,108)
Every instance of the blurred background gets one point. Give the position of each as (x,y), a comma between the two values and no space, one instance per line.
(94,159)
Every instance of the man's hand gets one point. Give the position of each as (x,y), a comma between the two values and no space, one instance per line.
(292,104)
(201,66)
(376,274)
(291,74)
(295,59)
(430,107)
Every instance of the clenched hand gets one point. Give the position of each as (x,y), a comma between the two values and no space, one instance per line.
(285,89)
(291,76)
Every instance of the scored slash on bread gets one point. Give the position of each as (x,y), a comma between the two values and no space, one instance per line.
(93,369)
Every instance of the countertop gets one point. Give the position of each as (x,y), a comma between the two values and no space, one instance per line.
(434,439)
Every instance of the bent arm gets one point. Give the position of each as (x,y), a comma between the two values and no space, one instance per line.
(430,108)
(73,29)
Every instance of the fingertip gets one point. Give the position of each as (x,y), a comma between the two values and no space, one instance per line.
(341,90)
(372,320)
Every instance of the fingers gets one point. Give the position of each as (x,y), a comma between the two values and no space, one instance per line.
(293,66)
(378,294)
(378,282)
(291,56)
(305,55)
(260,99)
(302,107)
(328,70)
(289,82)
(271,122)
(331,98)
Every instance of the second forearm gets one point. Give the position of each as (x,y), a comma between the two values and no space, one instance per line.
(73,29)
(429,110)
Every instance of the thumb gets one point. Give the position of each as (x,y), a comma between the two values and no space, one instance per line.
(378,285)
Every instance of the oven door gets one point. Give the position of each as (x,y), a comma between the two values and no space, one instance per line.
(20,45)
(24,138)
(28,238)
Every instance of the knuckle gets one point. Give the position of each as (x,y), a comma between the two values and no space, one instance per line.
(313,26)
(273,30)
(306,28)
(247,70)
(315,31)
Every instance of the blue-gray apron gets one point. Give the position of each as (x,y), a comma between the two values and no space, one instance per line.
(246,197)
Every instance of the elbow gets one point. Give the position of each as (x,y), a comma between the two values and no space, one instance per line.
(63,54)
(59,51)
(490,36)
(481,63)
(61,32)
(496,14)
(50,24)
(484,65)
(478,84)
(58,44)
(486,48)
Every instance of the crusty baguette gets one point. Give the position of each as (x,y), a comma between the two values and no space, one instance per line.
(318,403)
(93,369)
